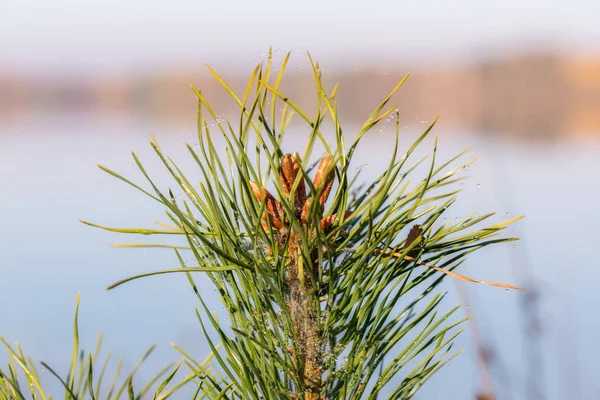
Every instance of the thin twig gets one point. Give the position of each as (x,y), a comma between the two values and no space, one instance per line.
(444,271)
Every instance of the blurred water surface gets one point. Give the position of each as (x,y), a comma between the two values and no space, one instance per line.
(50,181)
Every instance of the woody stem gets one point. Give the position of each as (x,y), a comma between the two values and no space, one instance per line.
(304,318)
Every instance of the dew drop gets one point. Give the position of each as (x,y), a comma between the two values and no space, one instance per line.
(479,185)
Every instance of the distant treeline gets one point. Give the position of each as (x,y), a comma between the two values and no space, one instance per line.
(541,96)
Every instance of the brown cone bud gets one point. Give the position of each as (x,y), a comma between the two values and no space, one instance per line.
(301,189)
(287,173)
(324,178)
(272,205)
(327,221)
(414,233)
(304,213)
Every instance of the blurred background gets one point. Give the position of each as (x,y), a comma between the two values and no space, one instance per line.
(84,83)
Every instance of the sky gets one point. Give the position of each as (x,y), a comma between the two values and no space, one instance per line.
(74,36)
